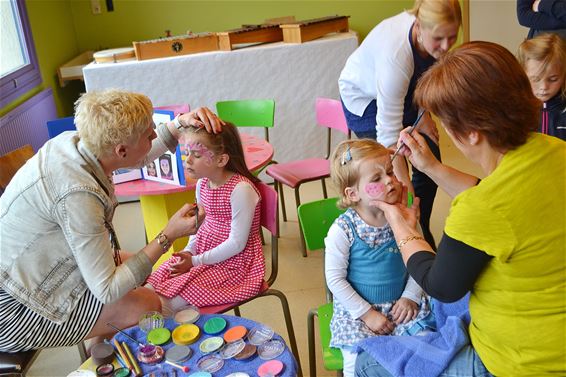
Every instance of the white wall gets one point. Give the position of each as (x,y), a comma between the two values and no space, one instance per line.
(496,21)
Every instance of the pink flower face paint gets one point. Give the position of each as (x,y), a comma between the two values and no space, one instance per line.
(198,150)
(375,189)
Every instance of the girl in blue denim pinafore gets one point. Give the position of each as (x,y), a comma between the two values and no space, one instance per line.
(373,293)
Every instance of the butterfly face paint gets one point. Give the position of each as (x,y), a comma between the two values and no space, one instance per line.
(375,189)
(198,150)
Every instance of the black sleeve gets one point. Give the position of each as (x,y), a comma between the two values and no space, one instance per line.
(451,273)
(538,20)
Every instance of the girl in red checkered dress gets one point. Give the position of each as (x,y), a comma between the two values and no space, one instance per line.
(223,262)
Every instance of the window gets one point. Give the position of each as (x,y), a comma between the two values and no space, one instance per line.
(18,63)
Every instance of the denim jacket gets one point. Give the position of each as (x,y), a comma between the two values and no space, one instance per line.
(55,221)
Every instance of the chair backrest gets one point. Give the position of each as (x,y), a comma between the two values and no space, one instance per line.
(315,219)
(176,109)
(55,127)
(248,113)
(329,113)
(11,162)
(270,221)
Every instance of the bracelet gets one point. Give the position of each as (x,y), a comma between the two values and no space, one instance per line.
(163,241)
(407,239)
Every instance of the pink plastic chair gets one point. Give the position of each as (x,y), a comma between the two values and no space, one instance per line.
(329,114)
(270,221)
(177,109)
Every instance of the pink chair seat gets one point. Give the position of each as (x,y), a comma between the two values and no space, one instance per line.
(215,309)
(294,173)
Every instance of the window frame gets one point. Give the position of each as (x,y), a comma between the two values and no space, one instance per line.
(28,76)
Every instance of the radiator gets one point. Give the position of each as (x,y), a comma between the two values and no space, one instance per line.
(26,124)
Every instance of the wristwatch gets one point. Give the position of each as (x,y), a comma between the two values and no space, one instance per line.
(177,122)
(163,241)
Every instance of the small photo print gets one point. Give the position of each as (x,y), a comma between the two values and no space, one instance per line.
(163,169)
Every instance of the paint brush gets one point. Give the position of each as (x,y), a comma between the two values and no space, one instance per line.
(182,367)
(125,334)
(196,215)
(415,126)
(137,369)
(122,353)
(117,355)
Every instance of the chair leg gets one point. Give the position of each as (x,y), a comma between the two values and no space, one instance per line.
(302,237)
(289,324)
(237,311)
(82,351)
(324,193)
(310,332)
(279,189)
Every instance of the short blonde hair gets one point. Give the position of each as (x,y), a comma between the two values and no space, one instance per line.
(345,164)
(107,118)
(432,13)
(545,48)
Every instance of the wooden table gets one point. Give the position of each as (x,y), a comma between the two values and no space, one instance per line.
(159,201)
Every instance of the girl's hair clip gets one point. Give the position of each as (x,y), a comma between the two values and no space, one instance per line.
(346,156)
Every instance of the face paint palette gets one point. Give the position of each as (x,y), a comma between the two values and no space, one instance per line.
(271,349)
(232,349)
(178,354)
(159,336)
(270,368)
(235,333)
(212,344)
(186,334)
(247,353)
(151,320)
(259,335)
(149,354)
(214,325)
(210,363)
(187,314)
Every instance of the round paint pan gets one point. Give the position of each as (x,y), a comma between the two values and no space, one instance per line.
(122,372)
(105,370)
(212,344)
(247,353)
(151,320)
(235,333)
(271,349)
(200,374)
(185,334)
(150,357)
(187,314)
(238,374)
(271,368)
(214,325)
(178,354)
(210,363)
(232,349)
(159,336)
(259,335)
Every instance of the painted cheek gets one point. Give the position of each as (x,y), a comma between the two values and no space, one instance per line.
(375,189)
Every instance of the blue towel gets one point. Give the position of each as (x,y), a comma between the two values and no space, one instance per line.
(427,355)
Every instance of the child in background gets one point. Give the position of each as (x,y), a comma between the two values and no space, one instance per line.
(151,169)
(223,262)
(165,166)
(363,267)
(544,61)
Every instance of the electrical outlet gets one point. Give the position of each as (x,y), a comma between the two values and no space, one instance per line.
(95,6)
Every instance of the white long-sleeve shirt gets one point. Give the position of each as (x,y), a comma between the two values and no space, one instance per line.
(243,201)
(337,256)
(381,68)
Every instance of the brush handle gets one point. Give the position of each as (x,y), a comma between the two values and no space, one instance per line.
(182,367)
(125,334)
(415,126)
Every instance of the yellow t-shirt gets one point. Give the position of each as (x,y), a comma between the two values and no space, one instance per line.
(518,304)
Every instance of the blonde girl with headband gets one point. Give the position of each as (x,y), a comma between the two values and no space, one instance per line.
(223,262)
(379,79)
(544,60)
(363,267)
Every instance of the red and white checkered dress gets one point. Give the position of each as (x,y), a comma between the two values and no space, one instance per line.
(235,279)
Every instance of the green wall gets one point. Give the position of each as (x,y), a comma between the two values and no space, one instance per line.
(62,29)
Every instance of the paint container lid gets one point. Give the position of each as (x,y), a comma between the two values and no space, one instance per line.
(270,368)
(214,325)
(178,354)
(187,314)
(159,336)
(211,344)
(247,353)
(232,349)
(235,333)
(82,373)
(186,334)
(270,350)
(151,358)
(210,363)
(238,374)
(105,370)
(122,372)
(259,335)
(151,320)
(102,353)
(200,374)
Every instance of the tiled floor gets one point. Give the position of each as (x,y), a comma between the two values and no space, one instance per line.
(301,279)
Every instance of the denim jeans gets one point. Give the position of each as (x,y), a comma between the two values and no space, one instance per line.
(466,363)
(425,188)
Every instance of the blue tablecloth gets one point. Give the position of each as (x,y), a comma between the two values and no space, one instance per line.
(249,366)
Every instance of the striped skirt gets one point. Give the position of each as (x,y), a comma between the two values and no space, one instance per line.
(21,329)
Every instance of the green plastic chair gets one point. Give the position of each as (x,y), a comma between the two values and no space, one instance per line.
(315,219)
(249,113)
